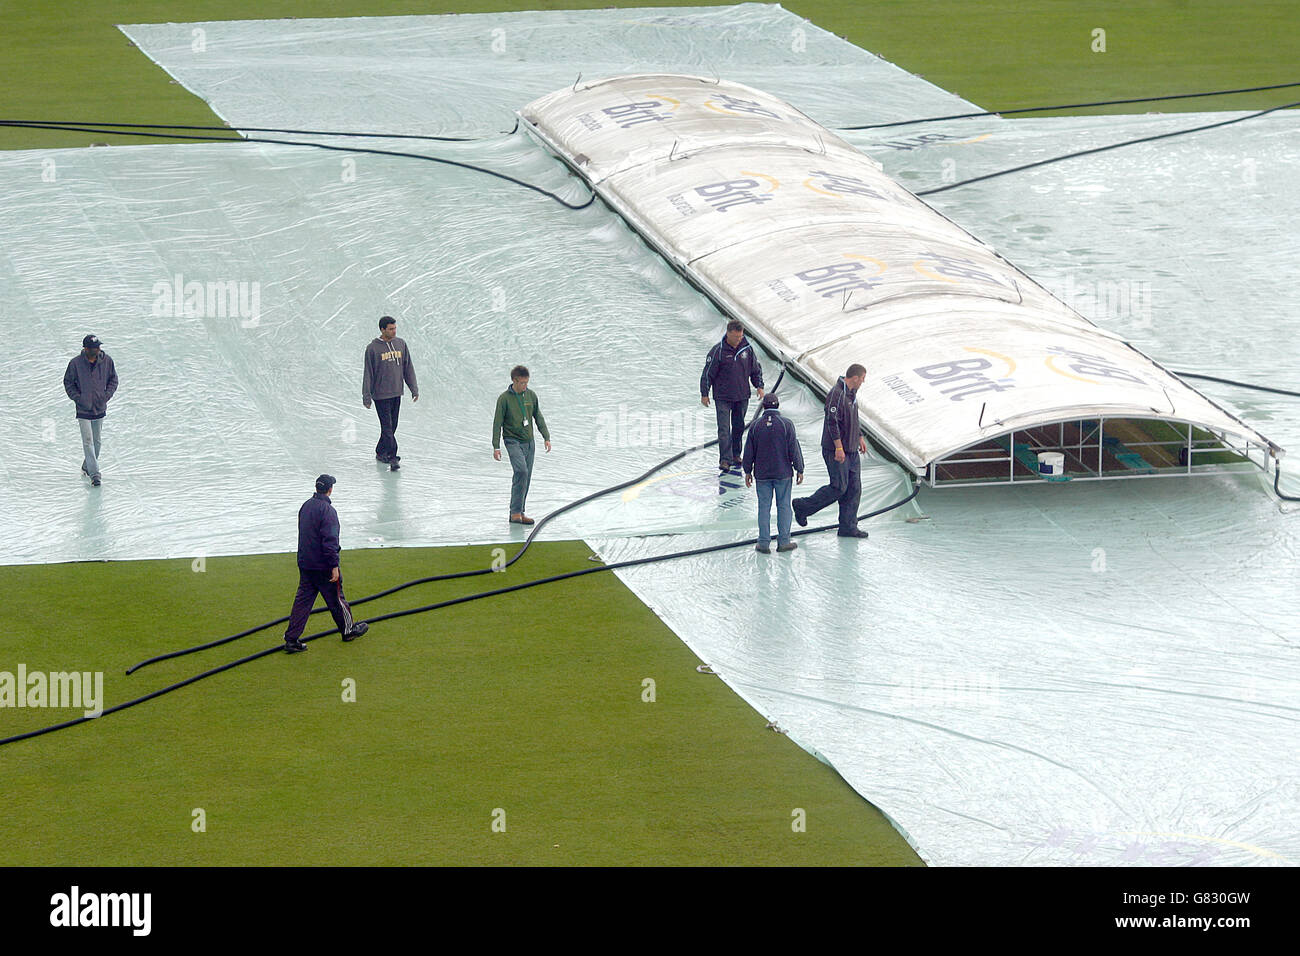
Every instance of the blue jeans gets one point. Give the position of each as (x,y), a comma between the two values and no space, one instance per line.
(767,487)
(90,444)
(521,460)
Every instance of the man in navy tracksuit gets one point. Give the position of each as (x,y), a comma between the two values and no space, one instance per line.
(729,369)
(773,455)
(318,568)
(842,443)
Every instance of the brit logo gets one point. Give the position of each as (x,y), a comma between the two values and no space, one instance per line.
(653,110)
(731,193)
(963,378)
(734,104)
(839,185)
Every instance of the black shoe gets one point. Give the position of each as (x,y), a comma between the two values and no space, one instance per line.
(294,646)
(94,480)
(787,547)
(855,533)
(393,465)
(800,518)
(357,630)
(762,550)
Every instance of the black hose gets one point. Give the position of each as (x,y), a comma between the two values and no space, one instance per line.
(1277,479)
(74,124)
(1073,106)
(279,648)
(1277,467)
(458,574)
(1228,381)
(1102,149)
(338,149)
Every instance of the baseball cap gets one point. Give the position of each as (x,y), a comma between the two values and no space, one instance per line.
(325,482)
(91,342)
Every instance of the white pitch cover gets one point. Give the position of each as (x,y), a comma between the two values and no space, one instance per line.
(829,262)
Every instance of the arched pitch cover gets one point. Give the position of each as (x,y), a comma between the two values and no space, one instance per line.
(828,262)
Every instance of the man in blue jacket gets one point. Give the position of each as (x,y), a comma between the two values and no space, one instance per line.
(318,569)
(730,369)
(772,456)
(842,445)
(90,382)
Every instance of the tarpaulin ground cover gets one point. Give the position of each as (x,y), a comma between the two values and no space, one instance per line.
(1100,674)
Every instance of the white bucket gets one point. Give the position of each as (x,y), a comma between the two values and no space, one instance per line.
(1051,463)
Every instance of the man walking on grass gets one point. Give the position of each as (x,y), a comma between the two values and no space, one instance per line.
(318,569)
(516,411)
(842,445)
(388,366)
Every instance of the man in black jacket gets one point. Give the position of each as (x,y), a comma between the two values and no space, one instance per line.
(773,455)
(90,382)
(730,369)
(842,444)
(318,568)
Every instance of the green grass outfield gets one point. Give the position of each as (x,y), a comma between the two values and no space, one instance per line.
(65,59)
(531,704)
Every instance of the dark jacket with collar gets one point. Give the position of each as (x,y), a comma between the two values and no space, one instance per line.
(730,371)
(772,451)
(90,384)
(318,534)
(841,419)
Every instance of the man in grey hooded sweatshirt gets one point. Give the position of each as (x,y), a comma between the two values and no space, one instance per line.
(388,366)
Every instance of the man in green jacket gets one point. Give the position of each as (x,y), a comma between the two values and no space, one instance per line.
(517,409)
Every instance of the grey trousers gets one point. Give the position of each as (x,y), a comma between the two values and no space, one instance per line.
(521,460)
(90,443)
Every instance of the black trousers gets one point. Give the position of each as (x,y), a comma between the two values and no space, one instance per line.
(731,429)
(387,409)
(845,487)
(311,583)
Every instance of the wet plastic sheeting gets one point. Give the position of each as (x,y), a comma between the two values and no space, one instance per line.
(466,75)
(1094,675)
(1181,245)
(222,421)
(1084,673)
